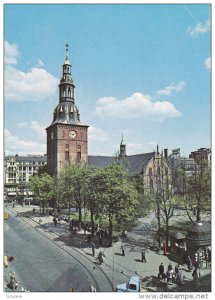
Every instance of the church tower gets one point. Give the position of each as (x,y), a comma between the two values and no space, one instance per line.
(66,136)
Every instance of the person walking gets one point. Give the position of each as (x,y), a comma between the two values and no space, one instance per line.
(180,278)
(55,221)
(161,272)
(143,255)
(93,249)
(196,279)
(123,250)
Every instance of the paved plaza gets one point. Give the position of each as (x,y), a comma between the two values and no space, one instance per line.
(114,262)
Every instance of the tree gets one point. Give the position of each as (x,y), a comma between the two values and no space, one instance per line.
(42,186)
(119,197)
(193,188)
(165,199)
(198,190)
(145,198)
(94,195)
(73,185)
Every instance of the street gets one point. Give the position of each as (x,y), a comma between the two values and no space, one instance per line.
(40,265)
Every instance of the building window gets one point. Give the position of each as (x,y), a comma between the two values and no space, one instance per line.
(150,171)
(66,155)
(78,157)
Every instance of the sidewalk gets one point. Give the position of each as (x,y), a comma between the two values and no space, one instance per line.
(117,267)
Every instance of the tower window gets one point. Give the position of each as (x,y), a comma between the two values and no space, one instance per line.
(150,171)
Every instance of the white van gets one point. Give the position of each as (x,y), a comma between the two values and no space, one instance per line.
(133,285)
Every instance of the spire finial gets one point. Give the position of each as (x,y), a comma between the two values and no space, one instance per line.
(122,139)
(67,48)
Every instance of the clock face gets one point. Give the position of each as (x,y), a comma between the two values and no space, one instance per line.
(72,134)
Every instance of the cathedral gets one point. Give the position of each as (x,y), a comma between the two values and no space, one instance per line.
(67,139)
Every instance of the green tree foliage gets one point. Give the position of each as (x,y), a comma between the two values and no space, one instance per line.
(73,186)
(119,197)
(42,186)
(94,195)
(145,198)
(195,189)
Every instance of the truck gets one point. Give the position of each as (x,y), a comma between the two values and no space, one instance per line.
(133,285)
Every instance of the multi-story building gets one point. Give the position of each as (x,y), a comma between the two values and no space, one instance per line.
(201,155)
(17,171)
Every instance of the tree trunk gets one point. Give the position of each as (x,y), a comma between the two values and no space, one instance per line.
(79,218)
(110,231)
(198,218)
(92,222)
(43,206)
(167,234)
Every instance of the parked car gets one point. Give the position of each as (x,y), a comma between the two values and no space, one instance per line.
(133,285)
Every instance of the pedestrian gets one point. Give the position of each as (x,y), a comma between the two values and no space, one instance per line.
(71,225)
(161,272)
(93,249)
(170,267)
(75,231)
(100,237)
(189,263)
(176,271)
(169,275)
(123,251)
(180,277)
(143,255)
(196,279)
(89,238)
(13,282)
(55,221)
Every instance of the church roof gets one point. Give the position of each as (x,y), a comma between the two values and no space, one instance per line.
(138,162)
(100,161)
(135,164)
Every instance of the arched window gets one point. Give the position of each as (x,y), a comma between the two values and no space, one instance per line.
(150,171)
(69,92)
(159,171)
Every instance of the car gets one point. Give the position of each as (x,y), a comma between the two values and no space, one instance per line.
(133,285)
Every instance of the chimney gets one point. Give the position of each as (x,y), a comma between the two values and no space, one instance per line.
(166,153)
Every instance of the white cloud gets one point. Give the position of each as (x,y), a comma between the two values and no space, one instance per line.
(208,63)
(40,130)
(34,85)
(97,134)
(11,53)
(200,28)
(134,148)
(136,106)
(14,144)
(173,87)
(22,124)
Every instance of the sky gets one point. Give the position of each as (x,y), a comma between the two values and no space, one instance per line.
(141,70)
